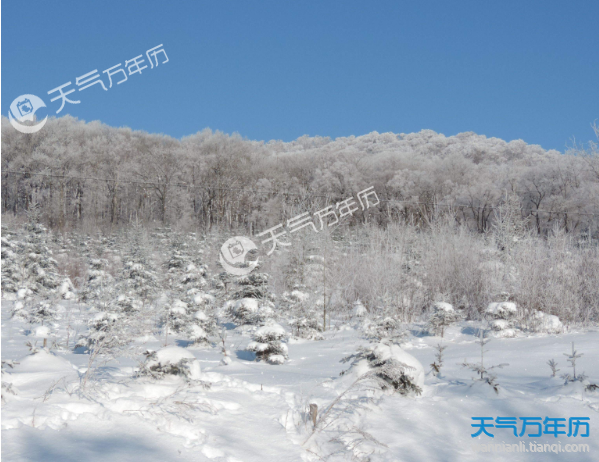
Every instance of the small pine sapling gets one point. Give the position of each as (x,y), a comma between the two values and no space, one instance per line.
(553,365)
(572,357)
(438,362)
(480,368)
(443,316)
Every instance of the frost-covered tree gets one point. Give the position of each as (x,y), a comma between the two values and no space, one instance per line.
(38,265)
(12,272)
(390,366)
(268,344)
(385,328)
(502,316)
(307,325)
(509,226)
(138,281)
(109,336)
(99,281)
(254,285)
(252,302)
(170,360)
(42,312)
(442,316)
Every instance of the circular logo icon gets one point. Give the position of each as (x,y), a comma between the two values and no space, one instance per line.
(233,253)
(23,109)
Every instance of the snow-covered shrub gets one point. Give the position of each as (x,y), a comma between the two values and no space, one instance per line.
(203,300)
(66,289)
(99,281)
(503,317)
(12,273)
(359,310)
(201,325)
(41,312)
(171,360)
(126,304)
(139,279)
(177,317)
(193,276)
(547,323)
(386,327)
(502,310)
(268,343)
(307,326)
(390,365)
(254,285)
(442,315)
(249,310)
(106,329)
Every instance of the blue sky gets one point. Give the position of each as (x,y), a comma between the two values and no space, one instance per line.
(282,69)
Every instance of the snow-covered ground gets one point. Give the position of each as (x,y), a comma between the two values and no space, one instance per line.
(255,411)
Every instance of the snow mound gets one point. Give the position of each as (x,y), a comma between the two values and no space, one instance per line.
(359,309)
(272,330)
(548,323)
(41,332)
(171,355)
(276,359)
(506,333)
(44,361)
(442,306)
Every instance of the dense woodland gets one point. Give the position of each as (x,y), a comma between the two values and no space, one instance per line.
(92,176)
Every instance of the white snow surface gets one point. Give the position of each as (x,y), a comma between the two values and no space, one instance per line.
(271,328)
(499,324)
(257,412)
(171,355)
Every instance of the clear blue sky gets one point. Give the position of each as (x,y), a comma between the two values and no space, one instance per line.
(282,69)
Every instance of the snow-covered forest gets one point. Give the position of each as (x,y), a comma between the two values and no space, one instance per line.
(93,176)
(124,337)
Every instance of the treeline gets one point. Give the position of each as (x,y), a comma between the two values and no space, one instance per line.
(95,176)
